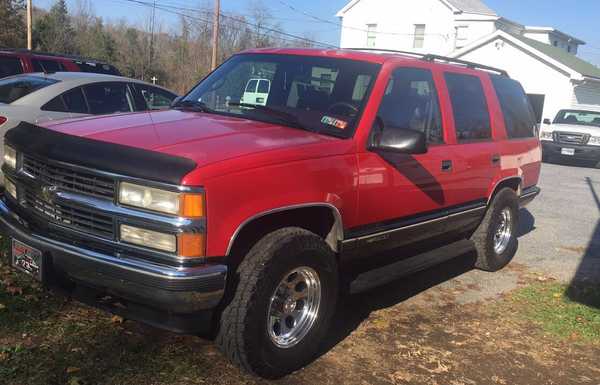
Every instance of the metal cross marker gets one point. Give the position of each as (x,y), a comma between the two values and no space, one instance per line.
(154,79)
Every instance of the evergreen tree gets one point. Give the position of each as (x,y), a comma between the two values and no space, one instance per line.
(53,32)
(13,32)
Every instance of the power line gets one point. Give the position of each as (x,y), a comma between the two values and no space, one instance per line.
(176,10)
(341,25)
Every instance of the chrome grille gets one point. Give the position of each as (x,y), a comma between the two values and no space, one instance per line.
(67,179)
(570,137)
(73,217)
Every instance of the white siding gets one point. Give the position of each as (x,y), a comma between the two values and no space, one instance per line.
(396,22)
(535,76)
(587,96)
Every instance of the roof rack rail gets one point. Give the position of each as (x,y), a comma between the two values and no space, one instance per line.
(66,56)
(387,51)
(432,57)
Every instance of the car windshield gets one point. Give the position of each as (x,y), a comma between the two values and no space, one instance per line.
(12,89)
(584,118)
(325,95)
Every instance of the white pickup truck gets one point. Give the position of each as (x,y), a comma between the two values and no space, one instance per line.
(573,134)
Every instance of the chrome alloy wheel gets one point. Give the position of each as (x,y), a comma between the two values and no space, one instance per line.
(294,307)
(503,232)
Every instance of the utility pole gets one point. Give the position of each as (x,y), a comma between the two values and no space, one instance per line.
(151,53)
(29,24)
(215,38)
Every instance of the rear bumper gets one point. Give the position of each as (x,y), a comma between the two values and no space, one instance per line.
(591,153)
(160,290)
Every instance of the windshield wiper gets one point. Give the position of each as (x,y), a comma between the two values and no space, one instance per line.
(288,118)
(192,105)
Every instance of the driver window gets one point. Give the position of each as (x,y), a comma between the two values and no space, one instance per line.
(410,102)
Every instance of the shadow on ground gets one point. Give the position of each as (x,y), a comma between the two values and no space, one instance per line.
(588,271)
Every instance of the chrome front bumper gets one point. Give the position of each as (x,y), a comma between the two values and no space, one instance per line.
(160,287)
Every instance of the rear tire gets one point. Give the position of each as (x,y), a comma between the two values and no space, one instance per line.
(262,329)
(496,237)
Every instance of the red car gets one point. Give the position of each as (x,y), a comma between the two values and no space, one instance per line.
(239,217)
(17,61)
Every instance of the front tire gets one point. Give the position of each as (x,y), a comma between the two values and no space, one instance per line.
(496,237)
(283,304)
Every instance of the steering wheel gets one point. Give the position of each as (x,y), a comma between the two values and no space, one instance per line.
(343,105)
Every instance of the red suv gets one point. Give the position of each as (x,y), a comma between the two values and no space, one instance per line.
(237,217)
(16,61)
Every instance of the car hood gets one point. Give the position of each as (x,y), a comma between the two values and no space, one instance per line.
(204,138)
(576,128)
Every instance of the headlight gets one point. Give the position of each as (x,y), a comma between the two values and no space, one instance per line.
(546,135)
(10,156)
(594,141)
(168,202)
(10,187)
(149,238)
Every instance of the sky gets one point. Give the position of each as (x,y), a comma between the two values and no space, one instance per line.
(579,18)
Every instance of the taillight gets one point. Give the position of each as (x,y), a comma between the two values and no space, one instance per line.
(3,120)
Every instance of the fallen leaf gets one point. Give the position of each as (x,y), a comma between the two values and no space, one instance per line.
(72,369)
(3,356)
(2,306)
(117,319)
(75,381)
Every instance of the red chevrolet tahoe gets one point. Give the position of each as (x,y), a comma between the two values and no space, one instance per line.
(237,217)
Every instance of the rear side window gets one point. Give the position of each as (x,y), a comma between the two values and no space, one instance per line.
(10,66)
(411,102)
(41,65)
(471,115)
(519,118)
(97,68)
(107,98)
(70,101)
(12,89)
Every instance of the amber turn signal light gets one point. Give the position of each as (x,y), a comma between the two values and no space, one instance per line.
(191,245)
(192,205)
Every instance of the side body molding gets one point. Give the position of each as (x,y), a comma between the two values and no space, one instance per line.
(333,238)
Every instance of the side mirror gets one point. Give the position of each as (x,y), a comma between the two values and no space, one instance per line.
(404,141)
(547,121)
(175,101)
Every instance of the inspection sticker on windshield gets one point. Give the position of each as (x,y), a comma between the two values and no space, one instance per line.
(337,123)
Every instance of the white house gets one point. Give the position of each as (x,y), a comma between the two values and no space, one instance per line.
(543,59)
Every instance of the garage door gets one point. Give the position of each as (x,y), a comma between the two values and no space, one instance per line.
(587,96)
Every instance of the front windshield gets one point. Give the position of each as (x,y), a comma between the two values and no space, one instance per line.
(584,118)
(316,93)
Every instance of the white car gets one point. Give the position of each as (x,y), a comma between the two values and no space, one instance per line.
(256,92)
(573,134)
(39,97)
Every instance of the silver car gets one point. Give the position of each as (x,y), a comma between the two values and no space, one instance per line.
(40,97)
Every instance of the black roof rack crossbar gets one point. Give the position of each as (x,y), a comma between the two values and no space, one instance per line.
(432,57)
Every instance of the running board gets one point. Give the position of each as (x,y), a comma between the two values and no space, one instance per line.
(389,273)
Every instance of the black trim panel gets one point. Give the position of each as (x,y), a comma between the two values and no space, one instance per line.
(423,232)
(378,227)
(104,156)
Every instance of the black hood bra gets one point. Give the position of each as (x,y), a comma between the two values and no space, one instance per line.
(95,154)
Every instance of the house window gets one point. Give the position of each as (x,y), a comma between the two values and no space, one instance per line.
(569,49)
(556,43)
(371,34)
(461,36)
(419,39)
